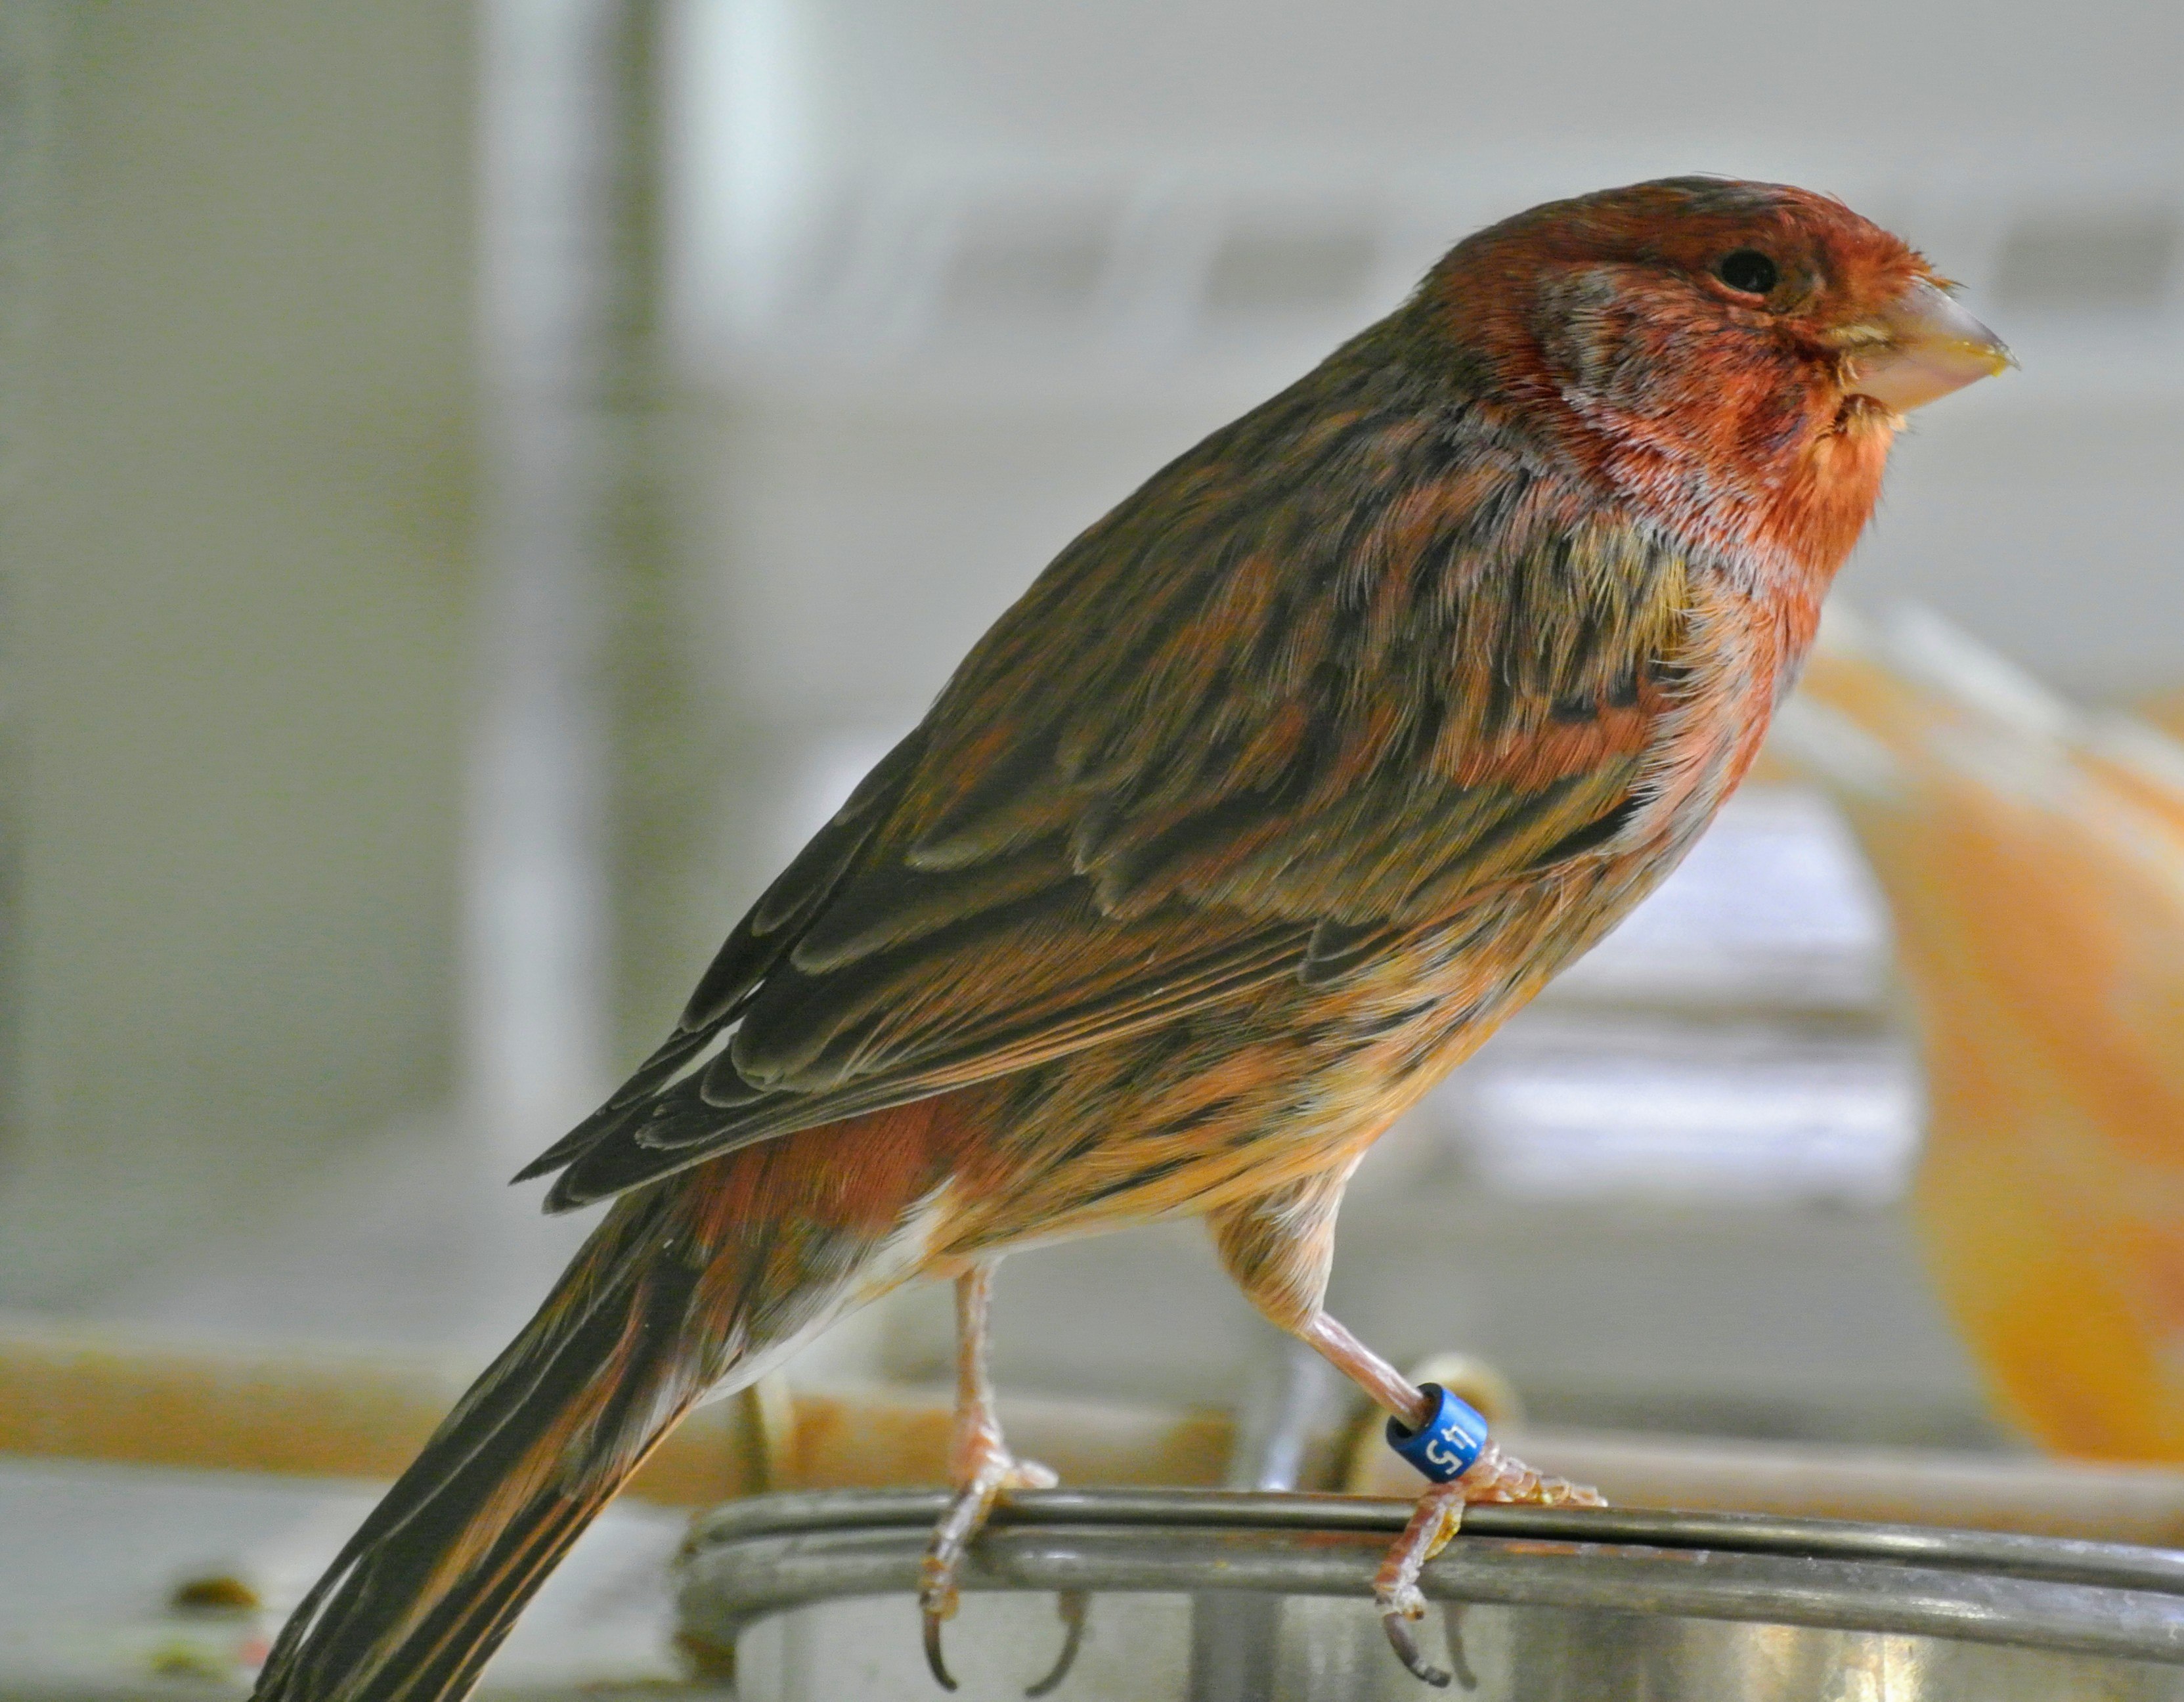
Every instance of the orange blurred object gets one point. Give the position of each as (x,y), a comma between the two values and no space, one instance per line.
(2033,858)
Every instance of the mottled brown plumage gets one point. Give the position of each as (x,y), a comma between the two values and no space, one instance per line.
(1283,786)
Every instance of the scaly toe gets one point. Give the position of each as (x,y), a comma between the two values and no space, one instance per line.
(1433,1522)
(1402,1601)
(959,1526)
(1501,1478)
(937,1596)
(1028,1474)
(936,1601)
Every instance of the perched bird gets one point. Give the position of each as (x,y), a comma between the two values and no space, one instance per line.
(1287,783)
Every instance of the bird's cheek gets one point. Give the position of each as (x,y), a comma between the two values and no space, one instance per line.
(1585,329)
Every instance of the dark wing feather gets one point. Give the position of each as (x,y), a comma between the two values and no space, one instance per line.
(1326,678)
(761,940)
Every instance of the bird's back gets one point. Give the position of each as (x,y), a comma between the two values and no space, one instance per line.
(1370,668)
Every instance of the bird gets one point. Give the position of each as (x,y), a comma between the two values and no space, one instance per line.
(1282,786)
(2032,855)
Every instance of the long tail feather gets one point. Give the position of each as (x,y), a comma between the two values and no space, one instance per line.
(690,1286)
(428,1587)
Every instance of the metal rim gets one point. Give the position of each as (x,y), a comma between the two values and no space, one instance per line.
(757,1558)
(2114,1566)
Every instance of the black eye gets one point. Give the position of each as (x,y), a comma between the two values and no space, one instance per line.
(1749,271)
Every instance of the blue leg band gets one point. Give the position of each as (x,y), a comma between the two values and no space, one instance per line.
(1444,1447)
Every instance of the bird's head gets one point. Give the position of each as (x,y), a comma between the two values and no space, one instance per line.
(1734,357)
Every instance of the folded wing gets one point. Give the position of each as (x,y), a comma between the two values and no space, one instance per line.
(1320,684)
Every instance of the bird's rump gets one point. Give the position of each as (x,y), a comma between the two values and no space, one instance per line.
(1329,712)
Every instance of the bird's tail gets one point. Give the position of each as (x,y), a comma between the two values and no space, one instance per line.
(661,1307)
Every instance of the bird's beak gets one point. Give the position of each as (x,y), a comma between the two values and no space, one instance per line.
(1920,347)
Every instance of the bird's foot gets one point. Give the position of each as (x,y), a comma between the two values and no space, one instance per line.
(988,1472)
(1494,1477)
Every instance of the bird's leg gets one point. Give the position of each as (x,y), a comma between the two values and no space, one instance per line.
(1493,1477)
(980,1467)
(1279,1247)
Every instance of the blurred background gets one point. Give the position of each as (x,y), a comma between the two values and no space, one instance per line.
(482,483)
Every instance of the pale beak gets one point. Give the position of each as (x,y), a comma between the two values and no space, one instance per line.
(1923,346)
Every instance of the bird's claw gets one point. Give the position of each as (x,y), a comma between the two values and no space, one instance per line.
(1439,1515)
(1073,1606)
(1451,1626)
(934,1661)
(1398,1625)
(1436,1518)
(994,1473)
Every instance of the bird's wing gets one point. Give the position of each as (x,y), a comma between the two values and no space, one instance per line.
(1294,700)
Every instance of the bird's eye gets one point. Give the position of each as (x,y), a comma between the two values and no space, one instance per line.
(1748,270)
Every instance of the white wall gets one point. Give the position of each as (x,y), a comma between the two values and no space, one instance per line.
(1381,77)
